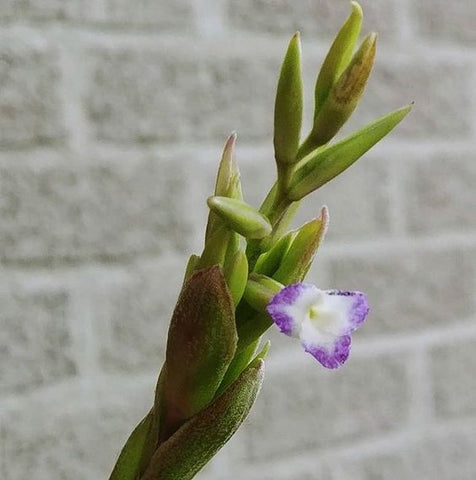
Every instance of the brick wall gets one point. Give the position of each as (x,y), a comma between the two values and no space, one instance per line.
(112,119)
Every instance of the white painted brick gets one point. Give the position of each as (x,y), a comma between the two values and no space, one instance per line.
(143,96)
(439,88)
(305,407)
(35,341)
(132,316)
(317,18)
(440,192)
(438,19)
(410,292)
(166,15)
(447,455)
(30,105)
(454,380)
(73,210)
(68,437)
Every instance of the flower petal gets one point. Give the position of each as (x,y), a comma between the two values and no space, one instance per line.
(322,319)
(356,305)
(333,355)
(290,307)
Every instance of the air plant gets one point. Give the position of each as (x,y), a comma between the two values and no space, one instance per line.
(250,273)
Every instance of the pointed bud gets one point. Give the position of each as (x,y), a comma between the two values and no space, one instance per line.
(240,217)
(228,170)
(201,344)
(198,440)
(300,254)
(325,164)
(269,262)
(236,275)
(289,105)
(338,57)
(228,182)
(259,291)
(343,97)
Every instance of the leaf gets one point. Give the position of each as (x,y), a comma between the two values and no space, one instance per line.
(327,163)
(240,217)
(298,259)
(201,344)
(288,105)
(129,462)
(197,441)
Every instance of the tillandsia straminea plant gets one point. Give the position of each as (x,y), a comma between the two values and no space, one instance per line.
(251,270)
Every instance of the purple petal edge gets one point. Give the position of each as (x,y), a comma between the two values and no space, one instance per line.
(287,296)
(334,359)
(359,308)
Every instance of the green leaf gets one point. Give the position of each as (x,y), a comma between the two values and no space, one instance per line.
(327,163)
(201,344)
(289,105)
(240,217)
(269,262)
(298,259)
(339,56)
(197,441)
(236,274)
(343,97)
(129,462)
(259,291)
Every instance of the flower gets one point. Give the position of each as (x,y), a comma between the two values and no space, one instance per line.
(323,320)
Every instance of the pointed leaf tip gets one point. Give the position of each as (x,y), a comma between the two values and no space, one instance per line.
(288,105)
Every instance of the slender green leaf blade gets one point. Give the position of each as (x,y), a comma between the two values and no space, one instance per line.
(197,441)
(327,163)
(288,106)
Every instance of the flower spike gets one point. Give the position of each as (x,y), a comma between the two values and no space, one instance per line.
(323,320)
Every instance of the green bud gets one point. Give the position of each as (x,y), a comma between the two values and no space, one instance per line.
(300,254)
(198,440)
(201,344)
(289,105)
(343,97)
(338,57)
(216,247)
(325,164)
(128,465)
(236,275)
(259,291)
(240,217)
(228,170)
(227,182)
(269,262)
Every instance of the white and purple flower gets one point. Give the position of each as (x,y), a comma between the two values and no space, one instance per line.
(323,320)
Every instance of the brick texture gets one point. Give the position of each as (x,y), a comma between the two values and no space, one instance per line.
(278,414)
(433,203)
(147,96)
(30,105)
(35,339)
(454,383)
(113,116)
(316,18)
(447,21)
(106,209)
(404,297)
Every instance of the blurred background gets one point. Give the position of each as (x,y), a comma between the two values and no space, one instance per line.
(112,119)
